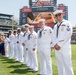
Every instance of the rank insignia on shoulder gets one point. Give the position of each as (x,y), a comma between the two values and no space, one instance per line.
(50,30)
(68,29)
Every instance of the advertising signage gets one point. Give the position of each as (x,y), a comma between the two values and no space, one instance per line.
(23,17)
(42,9)
(38,9)
(27,10)
(44,2)
(65,11)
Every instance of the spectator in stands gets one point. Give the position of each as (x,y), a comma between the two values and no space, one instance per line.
(2,44)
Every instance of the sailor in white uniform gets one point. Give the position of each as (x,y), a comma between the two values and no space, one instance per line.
(11,44)
(32,49)
(61,40)
(15,45)
(19,44)
(25,39)
(6,45)
(44,48)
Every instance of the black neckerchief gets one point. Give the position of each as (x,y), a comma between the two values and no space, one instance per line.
(29,36)
(58,29)
(24,34)
(40,34)
(18,35)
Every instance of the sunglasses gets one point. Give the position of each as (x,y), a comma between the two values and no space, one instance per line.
(58,15)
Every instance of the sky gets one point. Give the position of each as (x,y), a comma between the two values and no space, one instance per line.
(13,7)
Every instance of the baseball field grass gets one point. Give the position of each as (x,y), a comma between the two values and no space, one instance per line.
(11,67)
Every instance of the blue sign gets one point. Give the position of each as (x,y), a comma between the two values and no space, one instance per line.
(23,18)
(43,9)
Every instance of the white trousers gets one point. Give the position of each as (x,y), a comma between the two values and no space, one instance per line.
(15,51)
(20,52)
(45,61)
(6,50)
(33,59)
(11,54)
(64,63)
(26,57)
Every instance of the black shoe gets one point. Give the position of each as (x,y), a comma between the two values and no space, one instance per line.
(35,71)
(38,74)
(29,68)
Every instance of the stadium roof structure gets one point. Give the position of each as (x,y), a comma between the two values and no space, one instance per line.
(1,14)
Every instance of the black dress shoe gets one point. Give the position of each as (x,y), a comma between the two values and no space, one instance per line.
(35,71)
(38,74)
(29,68)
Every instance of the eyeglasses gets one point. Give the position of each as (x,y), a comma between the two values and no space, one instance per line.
(58,15)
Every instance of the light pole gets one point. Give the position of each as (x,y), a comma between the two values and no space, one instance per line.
(12,23)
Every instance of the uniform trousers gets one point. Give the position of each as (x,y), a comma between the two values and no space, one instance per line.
(26,56)
(45,61)
(20,52)
(11,54)
(33,59)
(64,63)
(6,50)
(15,51)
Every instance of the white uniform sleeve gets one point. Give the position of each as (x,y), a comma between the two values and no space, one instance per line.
(9,38)
(21,37)
(54,36)
(67,35)
(50,33)
(35,41)
(27,41)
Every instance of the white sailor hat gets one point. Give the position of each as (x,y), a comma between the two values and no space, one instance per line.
(26,25)
(31,26)
(41,20)
(15,30)
(57,12)
(18,28)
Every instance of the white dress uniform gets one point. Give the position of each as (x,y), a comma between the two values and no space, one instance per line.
(26,56)
(6,45)
(15,47)
(20,46)
(11,45)
(44,50)
(32,42)
(62,37)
